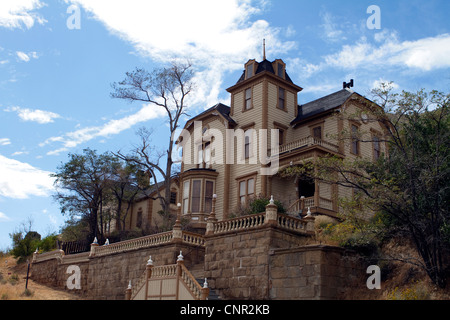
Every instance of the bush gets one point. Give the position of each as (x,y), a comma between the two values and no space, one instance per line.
(23,247)
(258,205)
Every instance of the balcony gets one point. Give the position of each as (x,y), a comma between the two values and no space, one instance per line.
(318,205)
(306,143)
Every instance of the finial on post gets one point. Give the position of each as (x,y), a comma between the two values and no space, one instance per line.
(180,257)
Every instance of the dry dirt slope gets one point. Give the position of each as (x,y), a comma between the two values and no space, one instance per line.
(12,284)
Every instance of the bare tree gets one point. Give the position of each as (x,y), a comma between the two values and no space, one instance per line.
(165,88)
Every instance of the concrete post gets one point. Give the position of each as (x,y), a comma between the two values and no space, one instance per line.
(128,292)
(212,218)
(176,231)
(271,213)
(94,245)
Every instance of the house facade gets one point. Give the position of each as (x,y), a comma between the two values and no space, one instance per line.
(233,153)
(228,151)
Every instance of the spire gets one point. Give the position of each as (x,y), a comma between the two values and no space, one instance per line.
(264,49)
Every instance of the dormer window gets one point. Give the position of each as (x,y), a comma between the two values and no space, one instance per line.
(250,69)
(280,68)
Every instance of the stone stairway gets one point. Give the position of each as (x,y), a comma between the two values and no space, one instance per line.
(198,272)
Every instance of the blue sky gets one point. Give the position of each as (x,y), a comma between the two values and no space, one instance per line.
(56,70)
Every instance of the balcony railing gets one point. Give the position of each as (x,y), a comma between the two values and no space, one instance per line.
(310,202)
(307,142)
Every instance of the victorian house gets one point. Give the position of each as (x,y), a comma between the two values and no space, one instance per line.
(233,153)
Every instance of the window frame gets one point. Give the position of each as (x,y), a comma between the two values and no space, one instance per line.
(246,196)
(355,143)
(376,154)
(248,101)
(186,196)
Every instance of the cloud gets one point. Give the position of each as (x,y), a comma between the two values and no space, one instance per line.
(22,56)
(4,141)
(4,217)
(20,180)
(425,54)
(377,84)
(330,29)
(217,36)
(39,116)
(19,13)
(112,127)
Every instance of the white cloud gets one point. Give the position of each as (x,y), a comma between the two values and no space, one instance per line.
(217,36)
(330,29)
(39,116)
(22,56)
(423,54)
(4,217)
(112,127)
(377,84)
(20,180)
(4,141)
(18,13)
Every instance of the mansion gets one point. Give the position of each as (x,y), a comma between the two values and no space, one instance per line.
(233,153)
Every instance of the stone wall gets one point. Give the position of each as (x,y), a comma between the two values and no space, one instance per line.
(264,256)
(106,277)
(313,272)
(238,263)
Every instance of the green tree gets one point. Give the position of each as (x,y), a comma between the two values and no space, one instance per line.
(82,185)
(408,187)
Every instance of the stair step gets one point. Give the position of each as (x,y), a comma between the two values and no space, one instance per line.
(212,294)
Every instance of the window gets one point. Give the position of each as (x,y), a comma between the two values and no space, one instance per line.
(204,154)
(280,137)
(139,219)
(173,197)
(248,143)
(280,70)
(246,190)
(209,190)
(248,99)
(207,156)
(249,71)
(355,140)
(317,132)
(186,196)
(376,148)
(247,147)
(196,188)
(281,98)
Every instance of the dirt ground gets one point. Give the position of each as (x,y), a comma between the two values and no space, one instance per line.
(13,280)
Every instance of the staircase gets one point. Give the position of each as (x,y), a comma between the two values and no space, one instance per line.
(198,271)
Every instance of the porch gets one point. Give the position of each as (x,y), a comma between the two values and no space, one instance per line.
(300,193)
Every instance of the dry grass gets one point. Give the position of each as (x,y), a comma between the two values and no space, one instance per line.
(400,280)
(12,284)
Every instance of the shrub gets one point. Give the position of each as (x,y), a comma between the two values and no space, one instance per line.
(258,205)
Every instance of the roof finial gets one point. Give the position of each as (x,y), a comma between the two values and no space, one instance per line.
(264,49)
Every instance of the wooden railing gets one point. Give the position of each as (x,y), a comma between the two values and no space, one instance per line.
(164,282)
(305,142)
(191,283)
(324,203)
(241,223)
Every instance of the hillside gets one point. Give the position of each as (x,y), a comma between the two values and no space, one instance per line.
(13,279)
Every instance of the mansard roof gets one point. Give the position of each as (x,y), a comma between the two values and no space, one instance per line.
(262,66)
(322,105)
